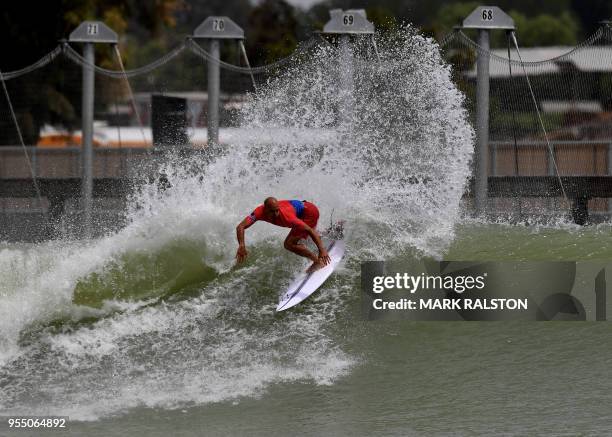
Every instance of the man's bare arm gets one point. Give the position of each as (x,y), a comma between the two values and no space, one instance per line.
(323,255)
(242,253)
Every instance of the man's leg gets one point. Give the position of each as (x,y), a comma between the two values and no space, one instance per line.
(292,244)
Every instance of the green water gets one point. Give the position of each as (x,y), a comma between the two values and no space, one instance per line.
(404,378)
(425,379)
(522,243)
(173,270)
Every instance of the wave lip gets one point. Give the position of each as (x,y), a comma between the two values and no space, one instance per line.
(211,348)
(155,315)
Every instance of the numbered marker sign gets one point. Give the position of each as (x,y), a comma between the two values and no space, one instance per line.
(93,31)
(218,25)
(348,19)
(487,15)
(92,28)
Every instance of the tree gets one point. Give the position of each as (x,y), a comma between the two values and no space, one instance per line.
(546,30)
(29,30)
(272,28)
(448,16)
(592,12)
(539,30)
(383,18)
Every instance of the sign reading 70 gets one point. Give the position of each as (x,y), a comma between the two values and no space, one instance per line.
(218,25)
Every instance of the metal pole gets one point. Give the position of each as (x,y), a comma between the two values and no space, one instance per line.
(213,93)
(482,122)
(87,138)
(610,173)
(346,80)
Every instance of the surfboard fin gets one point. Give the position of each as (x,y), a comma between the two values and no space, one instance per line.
(335,230)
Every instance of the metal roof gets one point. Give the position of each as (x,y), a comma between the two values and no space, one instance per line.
(547,60)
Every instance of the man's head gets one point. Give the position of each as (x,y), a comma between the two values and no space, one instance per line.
(271,209)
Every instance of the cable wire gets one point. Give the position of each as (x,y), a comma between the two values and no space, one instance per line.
(25,150)
(535,102)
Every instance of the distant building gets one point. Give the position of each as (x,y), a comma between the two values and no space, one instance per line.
(550,60)
(566,79)
(197,108)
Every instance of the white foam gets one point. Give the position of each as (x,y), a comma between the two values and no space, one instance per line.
(407,124)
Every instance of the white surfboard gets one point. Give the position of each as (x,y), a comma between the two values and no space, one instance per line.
(307,283)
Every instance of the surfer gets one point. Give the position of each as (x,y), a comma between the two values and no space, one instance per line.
(300,216)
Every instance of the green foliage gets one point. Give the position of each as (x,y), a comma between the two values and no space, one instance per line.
(605,90)
(451,15)
(273,28)
(526,123)
(545,30)
(383,18)
(591,12)
(532,30)
(28,34)
(272,31)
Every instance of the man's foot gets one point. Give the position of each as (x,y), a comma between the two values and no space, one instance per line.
(314,267)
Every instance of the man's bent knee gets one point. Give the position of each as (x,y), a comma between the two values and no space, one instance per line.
(290,243)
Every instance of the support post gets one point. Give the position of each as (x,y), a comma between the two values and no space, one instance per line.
(89,33)
(214,29)
(580,210)
(482,123)
(344,24)
(609,173)
(347,83)
(213,93)
(87,139)
(484,19)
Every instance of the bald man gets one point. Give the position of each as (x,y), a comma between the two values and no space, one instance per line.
(299,215)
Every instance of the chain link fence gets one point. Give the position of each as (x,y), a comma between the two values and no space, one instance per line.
(572,87)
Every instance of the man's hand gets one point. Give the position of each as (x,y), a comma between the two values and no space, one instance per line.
(241,254)
(324,257)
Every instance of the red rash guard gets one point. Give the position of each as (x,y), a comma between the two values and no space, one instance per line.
(288,217)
